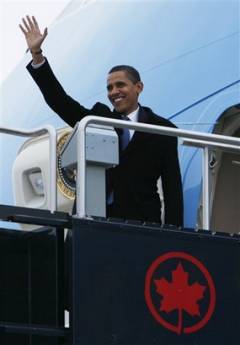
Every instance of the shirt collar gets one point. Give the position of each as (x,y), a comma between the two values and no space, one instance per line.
(133,116)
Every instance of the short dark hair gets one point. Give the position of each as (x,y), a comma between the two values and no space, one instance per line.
(131,72)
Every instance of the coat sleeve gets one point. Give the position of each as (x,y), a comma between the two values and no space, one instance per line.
(172,184)
(58,100)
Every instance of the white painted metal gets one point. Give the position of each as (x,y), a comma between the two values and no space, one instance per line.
(51,131)
(198,138)
(192,138)
(205,187)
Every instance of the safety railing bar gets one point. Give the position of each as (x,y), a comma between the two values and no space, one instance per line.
(176,132)
(205,188)
(52,201)
(212,145)
(81,150)
(53,169)
(23,133)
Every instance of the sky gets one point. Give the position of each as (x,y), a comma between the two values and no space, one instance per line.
(12,41)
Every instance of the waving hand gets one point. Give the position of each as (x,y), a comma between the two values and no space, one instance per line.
(31,31)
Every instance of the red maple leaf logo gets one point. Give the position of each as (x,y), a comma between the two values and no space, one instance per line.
(179,294)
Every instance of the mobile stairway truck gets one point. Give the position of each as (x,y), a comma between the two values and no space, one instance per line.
(129,283)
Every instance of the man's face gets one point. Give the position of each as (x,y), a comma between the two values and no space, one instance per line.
(122,92)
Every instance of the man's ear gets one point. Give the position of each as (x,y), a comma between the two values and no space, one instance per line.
(140,86)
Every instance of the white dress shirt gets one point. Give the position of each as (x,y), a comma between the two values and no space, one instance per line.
(133,117)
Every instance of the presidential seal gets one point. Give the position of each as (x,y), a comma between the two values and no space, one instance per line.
(66,178)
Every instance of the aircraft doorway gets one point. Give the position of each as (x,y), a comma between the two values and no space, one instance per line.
(225,178)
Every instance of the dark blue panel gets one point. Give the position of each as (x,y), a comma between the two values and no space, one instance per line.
(112,264)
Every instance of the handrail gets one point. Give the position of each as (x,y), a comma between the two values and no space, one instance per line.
(52,201)
(205,140)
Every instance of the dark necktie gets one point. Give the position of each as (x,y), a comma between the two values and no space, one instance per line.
(125,136)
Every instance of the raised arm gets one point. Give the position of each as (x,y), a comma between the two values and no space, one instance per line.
(34,37)
(55,96)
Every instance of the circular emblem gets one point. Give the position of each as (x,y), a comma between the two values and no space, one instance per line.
(66,178)
(180,292)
